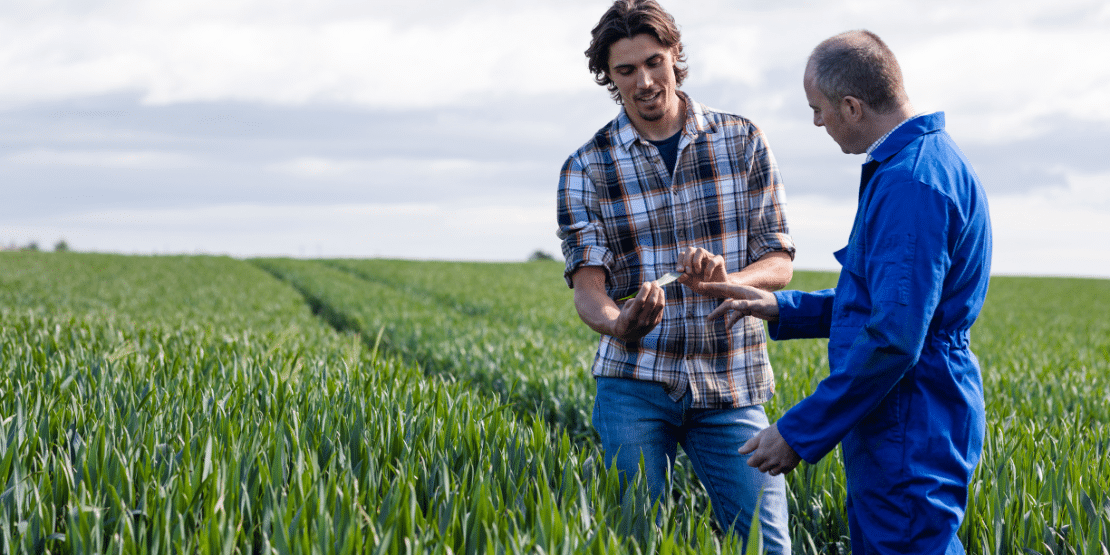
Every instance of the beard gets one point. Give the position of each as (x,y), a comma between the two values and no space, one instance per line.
(658,109)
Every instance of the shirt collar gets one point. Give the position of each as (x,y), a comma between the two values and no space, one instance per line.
(905,133)
(876,144)
(696,123)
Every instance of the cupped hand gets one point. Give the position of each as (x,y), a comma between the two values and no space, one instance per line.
(640,314)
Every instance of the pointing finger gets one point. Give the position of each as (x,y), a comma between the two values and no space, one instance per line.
(724,309)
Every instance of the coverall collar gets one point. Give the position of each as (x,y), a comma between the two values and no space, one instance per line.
(904,134)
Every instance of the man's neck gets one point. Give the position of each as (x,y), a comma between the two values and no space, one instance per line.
(884,123)
(665,127)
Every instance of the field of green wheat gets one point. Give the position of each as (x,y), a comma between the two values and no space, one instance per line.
(204,405)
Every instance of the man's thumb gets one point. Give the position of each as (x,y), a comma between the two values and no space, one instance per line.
(749,446)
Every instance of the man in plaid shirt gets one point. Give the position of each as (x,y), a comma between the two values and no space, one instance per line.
(672,185)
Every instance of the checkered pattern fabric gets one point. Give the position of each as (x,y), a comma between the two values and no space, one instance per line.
(618,208)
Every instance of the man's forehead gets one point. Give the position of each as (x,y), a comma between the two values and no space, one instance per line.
(637,49)
(810,74)
(809,83)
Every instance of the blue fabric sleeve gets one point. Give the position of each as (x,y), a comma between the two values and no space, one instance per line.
(897,264)
(802,315)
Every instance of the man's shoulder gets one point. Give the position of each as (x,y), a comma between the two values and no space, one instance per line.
(601,146)
(716,114)
(713,120)
(929,147)
(605,137)
(931,161)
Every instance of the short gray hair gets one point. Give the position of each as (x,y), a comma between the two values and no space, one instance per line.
(858,64)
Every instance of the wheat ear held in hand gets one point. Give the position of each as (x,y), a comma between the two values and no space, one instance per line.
(664,280)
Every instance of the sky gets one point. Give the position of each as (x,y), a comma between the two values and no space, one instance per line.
(436,130)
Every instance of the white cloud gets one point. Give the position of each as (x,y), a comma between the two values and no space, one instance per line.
(1054,231)
(1003,62)
(819,226)
(400,170)
(102,159)
(173,54)
(315,167)
(1003,81)
(1062,231)
(999,68)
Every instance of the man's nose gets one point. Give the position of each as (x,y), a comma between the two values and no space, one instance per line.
(643,78)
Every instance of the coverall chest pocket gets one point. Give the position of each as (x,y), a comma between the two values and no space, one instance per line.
(852,304)
(883,272)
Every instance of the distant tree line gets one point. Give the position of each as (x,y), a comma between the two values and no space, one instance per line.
(540,255)
(60,246)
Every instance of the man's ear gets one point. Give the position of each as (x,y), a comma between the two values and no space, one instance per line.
(851,109)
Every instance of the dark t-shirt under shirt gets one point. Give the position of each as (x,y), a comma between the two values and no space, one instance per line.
(668,148)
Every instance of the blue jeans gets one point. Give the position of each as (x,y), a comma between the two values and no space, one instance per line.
(635,417)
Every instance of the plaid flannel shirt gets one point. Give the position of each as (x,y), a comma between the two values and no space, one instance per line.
(619,209)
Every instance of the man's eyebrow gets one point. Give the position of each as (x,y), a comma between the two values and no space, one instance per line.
(649,59)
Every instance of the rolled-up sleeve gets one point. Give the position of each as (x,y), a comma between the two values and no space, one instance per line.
(580,228)
(767,228)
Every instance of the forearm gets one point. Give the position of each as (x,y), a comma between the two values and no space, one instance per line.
(594,306)
(628,322)
(771,272)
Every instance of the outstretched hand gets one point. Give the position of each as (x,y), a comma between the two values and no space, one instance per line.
(770,452)
(742,301)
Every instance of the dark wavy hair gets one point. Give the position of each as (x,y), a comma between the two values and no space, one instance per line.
(624,20)
(858,63)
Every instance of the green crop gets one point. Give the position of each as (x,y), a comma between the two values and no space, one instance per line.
(197,405)
(505,329)
(205,404)
(1044,362)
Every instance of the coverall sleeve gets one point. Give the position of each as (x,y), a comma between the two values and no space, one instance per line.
(897,265)
(579,219)
(802,315)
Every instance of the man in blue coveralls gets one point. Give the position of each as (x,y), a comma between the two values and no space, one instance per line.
(904,395)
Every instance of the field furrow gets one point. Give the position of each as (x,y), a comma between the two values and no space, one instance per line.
(198,404)
(213,413)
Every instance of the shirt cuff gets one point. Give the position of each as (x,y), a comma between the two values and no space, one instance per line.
(590,255)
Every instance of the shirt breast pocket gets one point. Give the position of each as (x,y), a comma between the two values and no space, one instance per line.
(730,192)
(725,203)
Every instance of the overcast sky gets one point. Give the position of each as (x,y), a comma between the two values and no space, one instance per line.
(436,130)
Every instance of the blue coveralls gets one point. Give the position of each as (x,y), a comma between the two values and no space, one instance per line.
(904,395)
